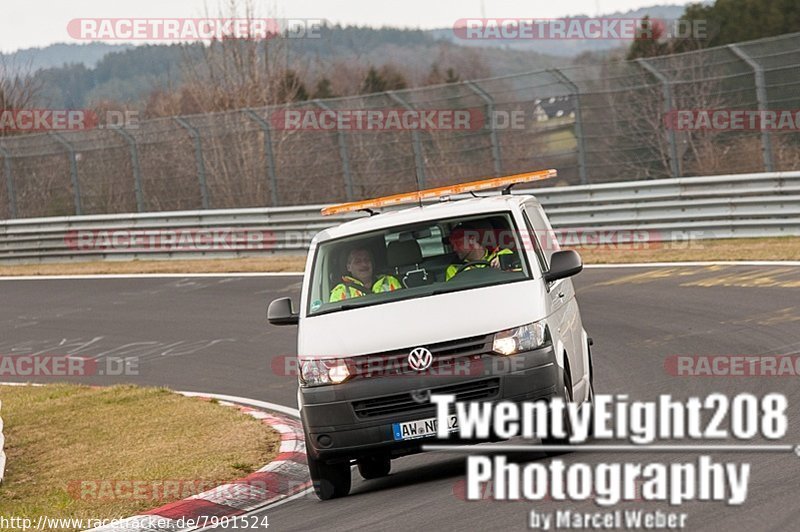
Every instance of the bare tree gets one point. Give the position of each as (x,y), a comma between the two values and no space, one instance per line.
(235,73)
(19,89)
(636,132)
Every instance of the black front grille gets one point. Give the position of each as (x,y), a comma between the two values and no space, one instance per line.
(403,403)
(446,355)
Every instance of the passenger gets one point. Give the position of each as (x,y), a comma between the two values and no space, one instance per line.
(466,242)
(361,276)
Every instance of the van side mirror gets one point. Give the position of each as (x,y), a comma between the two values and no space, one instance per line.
(563,264)
(280,312)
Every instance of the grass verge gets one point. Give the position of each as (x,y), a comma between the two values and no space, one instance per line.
(94,453)
(292,263)
(784,248)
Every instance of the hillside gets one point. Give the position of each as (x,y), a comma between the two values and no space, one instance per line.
(129,74)
(568,48)
(81,75)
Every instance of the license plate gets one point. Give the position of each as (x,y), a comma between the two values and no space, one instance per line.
(421,428)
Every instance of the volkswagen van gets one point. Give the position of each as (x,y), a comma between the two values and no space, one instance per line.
(498,321)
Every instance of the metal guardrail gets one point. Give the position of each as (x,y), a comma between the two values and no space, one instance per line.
(597,122)
(746,205)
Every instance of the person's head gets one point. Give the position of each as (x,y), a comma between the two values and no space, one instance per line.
(359,264)
(465,240)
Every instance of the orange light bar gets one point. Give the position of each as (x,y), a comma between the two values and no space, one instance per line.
(413,197)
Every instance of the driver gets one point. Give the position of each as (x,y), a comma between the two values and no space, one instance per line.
(362,275)
(466,242)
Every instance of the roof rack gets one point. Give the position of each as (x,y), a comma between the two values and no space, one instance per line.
(421,195)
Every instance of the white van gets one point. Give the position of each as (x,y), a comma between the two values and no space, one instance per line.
(469,297)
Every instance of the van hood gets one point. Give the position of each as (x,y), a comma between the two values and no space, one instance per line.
(421,321)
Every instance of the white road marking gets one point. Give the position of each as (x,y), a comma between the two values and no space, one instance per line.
(260,510)
(144,276)
(296,274)
(259,404)
(692,264)
(245,401)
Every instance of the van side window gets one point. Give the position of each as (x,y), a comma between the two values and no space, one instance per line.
(533,238)
(547,238)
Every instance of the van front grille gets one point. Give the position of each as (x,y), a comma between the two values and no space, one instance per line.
(403,403)
(447,358)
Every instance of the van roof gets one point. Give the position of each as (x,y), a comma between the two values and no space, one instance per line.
(430,211)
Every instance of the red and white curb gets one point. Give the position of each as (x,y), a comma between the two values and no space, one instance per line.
(286,476)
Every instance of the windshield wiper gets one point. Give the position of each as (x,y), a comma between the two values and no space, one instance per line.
(348,306)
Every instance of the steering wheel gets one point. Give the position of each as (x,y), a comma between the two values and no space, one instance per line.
(470,264)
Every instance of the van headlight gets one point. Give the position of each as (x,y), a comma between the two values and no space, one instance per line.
(525,338)
(321,372)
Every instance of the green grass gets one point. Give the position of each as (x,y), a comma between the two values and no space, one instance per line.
(66,443)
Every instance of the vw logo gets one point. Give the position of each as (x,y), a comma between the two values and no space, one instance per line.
(420,359)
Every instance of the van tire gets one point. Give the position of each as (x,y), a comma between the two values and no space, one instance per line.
(330,480)
(374,467)
(566,395)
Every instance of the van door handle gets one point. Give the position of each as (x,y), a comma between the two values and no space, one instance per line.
(561,295)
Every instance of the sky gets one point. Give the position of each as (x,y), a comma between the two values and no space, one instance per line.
(29,23)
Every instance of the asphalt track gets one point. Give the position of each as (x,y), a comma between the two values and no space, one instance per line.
(210,335)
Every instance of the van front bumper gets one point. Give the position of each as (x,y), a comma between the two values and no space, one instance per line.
(355,418)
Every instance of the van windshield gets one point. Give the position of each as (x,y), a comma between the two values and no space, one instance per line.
(417,260)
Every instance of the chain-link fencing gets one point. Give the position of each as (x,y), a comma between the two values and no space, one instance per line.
(597,123)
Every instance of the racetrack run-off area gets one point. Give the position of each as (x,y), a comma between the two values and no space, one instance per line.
(210,334)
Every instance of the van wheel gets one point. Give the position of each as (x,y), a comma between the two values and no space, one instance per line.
(374,467)
(330,480)
(589,401)
(566,395)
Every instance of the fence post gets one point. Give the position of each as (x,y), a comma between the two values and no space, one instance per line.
(581,141)
(343,154)
(666,88)
(137,174)
(198,154)
(12,195)
(489,101)
(73,170)
(419,157)
(268,153)
(761,96)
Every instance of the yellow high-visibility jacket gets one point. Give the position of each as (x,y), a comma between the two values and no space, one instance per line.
(351,287)
(489,256)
